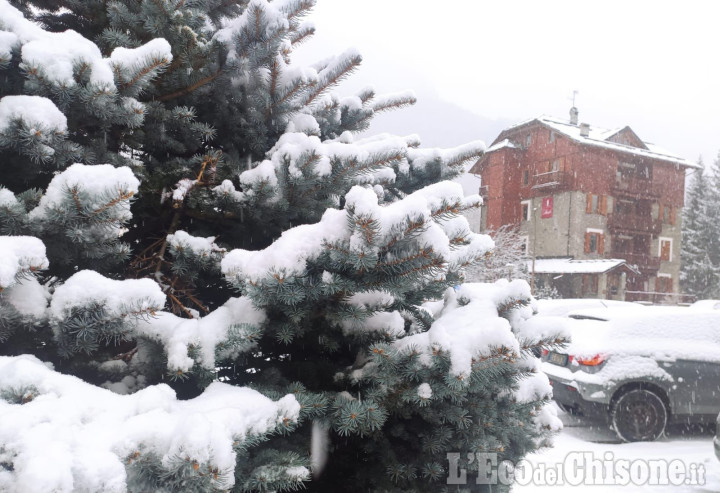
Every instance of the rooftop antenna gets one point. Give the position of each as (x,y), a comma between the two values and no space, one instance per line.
(574,110)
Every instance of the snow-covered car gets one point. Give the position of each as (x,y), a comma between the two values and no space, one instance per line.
(563,307)
(640,369)
(705,305)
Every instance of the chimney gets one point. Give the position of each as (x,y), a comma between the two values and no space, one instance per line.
(584,129)
(573,116)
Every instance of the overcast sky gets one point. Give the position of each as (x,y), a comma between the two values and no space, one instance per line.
(652,65)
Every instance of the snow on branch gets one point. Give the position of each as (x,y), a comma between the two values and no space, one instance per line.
(90,308)
(120,299)
(59,433)
(228,330)
(33,111)
(393,101)
(53,57)
(20,256)
(141,64)
(367,228)
(261,20)
(456,329)
(450,158)
(337,69)
(101,191)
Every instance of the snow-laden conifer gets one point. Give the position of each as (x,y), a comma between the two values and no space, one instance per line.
(207,273)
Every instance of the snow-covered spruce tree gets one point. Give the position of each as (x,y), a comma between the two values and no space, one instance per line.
(713,209)
(698,275)
(186,213)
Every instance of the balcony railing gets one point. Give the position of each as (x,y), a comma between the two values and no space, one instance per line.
(643,261)
(552,179)
(634,223)
(657,298)
(639,187)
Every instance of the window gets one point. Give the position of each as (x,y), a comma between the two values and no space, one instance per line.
(664,283)
(589,283)
(526,177)
(667,214)
(528,140)
(596,204)
(665,249)
(525,207)
(555,166)
(594,241)
(551,138)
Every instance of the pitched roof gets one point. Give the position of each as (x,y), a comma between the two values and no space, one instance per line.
(599,137)
(500,145)
(571,266)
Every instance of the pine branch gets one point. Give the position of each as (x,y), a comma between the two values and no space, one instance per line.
(156,64)
(193,87)
(112,203)
(349,66)
(301,35)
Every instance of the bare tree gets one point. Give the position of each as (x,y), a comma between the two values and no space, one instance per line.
(508,259)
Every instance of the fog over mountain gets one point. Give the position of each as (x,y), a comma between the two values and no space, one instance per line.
(439,123)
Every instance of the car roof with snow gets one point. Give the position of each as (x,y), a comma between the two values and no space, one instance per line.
(566,306)
(664,332)
(706,305)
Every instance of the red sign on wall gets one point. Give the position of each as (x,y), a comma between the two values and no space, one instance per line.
(547,207)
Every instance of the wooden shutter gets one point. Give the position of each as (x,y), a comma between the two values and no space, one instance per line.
(661,212)
(587,242)
(603,205)
(601,244)
(672,216)
(588,206)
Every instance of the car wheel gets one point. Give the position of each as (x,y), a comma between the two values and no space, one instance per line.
(639,415)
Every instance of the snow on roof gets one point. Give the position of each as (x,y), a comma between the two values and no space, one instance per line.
(571,266)
(598,136)
(500,145)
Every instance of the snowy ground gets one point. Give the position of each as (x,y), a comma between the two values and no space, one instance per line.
(688,453)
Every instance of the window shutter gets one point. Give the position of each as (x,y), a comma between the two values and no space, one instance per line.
(588,206)
(603,205)
(672,216)
(665,250)
(661,212)
(587,242)
(601,244)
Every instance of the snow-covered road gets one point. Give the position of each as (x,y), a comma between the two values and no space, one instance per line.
(684,454)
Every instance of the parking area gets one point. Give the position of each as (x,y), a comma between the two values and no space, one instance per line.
(681,461)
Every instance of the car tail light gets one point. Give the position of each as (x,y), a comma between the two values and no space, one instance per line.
(596,360)
(545,352)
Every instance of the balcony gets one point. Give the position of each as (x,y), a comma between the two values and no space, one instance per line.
(635,187)
(551,180)
(644,262)
(633,223)
(656,298)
